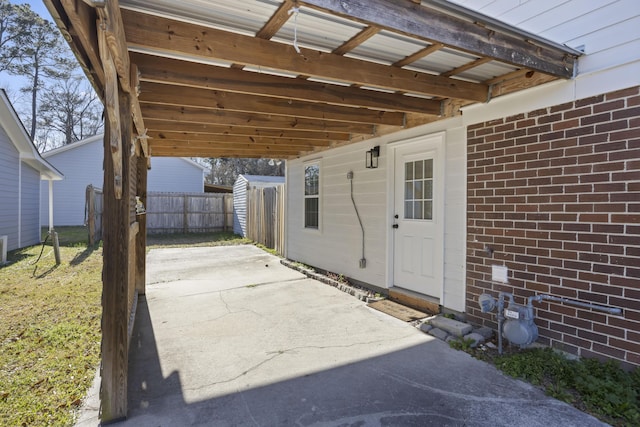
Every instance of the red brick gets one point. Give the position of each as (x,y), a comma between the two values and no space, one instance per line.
(596,118)
(578,112)
(609,106)
(593,139)
(611,126)
(586,130)
(623,93)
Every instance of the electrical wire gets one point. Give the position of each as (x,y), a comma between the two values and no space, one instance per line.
(357,214)
(42,249)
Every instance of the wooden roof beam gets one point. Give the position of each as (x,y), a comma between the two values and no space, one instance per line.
(166,70)
(81,18)
(415,20)
(159,136)
(201,128)
(185,149)
(261,121)
(157,93)
(170,37)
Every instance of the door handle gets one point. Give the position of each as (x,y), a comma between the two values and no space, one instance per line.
(394,226)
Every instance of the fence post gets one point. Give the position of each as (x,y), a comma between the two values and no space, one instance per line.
(185,213)
(91,213)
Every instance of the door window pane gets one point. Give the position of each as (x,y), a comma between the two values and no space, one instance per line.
(418,190)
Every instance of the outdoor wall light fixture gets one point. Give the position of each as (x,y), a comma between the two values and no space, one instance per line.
(371,159)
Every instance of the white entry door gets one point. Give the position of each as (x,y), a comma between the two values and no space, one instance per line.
(418,222)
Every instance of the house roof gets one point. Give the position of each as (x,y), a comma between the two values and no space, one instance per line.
(262,178)
(283,78)
(18,135)
(100,137)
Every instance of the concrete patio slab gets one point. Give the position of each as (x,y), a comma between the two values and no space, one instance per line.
(227,336)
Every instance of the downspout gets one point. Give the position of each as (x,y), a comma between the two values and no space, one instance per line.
(50,205)
(20,203)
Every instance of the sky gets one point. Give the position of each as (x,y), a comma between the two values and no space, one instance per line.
(10,83)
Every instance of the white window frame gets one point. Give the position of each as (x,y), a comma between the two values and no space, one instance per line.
(305,196)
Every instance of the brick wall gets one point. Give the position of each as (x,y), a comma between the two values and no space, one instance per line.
(556,194)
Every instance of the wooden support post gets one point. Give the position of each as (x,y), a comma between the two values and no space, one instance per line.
(115,271)
(141,240)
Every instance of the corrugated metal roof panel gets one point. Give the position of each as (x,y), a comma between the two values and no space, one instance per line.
(387,47)
(441,61)
(246,16)
(317,30)
(487,71)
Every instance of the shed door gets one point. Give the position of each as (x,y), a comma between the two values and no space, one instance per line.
(419,216)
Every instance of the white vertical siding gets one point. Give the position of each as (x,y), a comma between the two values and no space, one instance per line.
(30,224)
(455,230)
(337,246)
(9,190)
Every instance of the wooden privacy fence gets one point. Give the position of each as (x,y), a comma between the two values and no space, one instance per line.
(189,212)
(265,216)
(93,213)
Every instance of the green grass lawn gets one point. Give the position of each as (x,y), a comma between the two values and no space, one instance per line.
(50,324)
(50,331)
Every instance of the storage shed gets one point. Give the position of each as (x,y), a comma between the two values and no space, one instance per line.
(21,169)
(242,184)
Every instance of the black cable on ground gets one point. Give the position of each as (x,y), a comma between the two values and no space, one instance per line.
(41,250)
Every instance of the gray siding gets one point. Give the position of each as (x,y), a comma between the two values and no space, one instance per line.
(83,165)
(175,175)
(240,206)
(30,206)
(9,166)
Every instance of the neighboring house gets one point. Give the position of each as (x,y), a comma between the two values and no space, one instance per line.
(21,170)
(240,187)
(545,182)
(81,162)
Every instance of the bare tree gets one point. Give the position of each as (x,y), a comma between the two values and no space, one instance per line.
(70,106)
(225,171)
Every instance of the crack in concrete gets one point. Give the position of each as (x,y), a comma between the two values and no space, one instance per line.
(277,353)
(465,397)
(370,418)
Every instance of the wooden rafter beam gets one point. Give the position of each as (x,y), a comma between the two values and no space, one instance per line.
(238,140)
(166,70)
(80,24)
(461,69)
(156,93)
(407,17)
(215,129)
(277,20)
(418,55)
(356,40)
(199,128)
(263,121)
(166,36)
(182,149)
(111,22)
